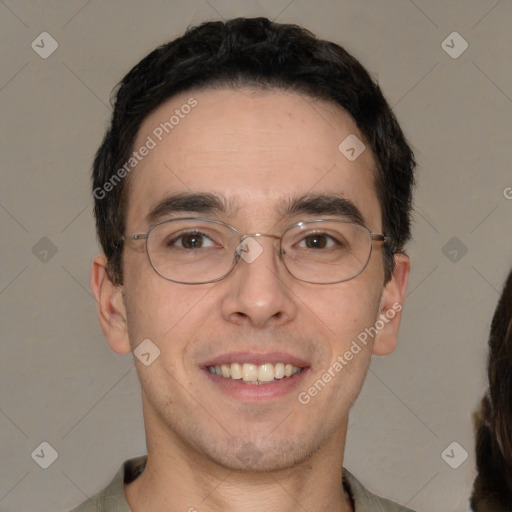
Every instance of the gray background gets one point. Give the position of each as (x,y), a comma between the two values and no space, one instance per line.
(59,381)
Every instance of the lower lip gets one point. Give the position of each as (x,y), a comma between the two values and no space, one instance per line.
(256,392)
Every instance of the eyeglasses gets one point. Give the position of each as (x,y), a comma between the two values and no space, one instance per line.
(197,251)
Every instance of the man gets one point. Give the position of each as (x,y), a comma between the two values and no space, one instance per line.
(252,198)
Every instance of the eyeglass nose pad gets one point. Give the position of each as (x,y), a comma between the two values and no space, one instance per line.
(249,249)
(241,248)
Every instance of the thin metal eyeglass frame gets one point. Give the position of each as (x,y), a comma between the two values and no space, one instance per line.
(374,237)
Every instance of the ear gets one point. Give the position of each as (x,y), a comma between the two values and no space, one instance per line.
(391,305)
(111,307)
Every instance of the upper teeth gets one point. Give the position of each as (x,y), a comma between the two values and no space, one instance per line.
(253,373)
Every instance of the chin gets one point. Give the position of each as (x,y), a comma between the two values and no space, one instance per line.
(260,455)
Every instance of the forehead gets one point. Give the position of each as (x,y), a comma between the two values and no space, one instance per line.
(255,148)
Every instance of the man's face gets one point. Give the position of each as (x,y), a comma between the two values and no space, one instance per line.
(259,152)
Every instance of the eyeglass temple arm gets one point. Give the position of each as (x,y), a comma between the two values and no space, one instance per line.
(140,236)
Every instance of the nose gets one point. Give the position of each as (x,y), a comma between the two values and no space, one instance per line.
(257,292)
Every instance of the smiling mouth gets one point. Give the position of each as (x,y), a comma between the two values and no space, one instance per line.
(254,373)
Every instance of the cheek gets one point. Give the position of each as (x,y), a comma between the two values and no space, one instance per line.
(347,307)
(150,306)
(167,313)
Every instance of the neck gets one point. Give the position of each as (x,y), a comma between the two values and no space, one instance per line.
(179,478)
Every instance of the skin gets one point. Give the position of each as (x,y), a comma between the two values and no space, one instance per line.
(257,149)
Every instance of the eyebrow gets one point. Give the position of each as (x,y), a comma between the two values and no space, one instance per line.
(324,204)
(188,203)
(216,204)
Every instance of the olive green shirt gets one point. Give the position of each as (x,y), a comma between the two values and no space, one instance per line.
(113,499)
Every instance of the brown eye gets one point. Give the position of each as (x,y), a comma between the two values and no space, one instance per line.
(192,241)
(318,241)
